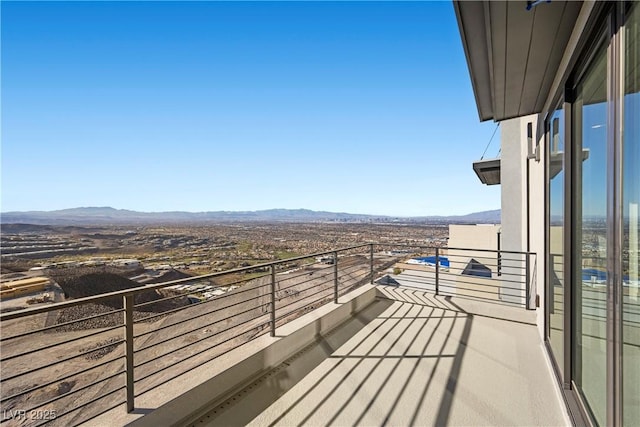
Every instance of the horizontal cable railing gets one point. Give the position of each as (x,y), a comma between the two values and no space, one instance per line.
(486,274)
(67,362)
(77,359)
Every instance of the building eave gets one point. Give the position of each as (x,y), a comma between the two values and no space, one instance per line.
(513,54)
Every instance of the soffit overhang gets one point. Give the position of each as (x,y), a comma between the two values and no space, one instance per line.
(513,54)
(488,171)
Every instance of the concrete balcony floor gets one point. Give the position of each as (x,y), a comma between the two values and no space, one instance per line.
(410,358)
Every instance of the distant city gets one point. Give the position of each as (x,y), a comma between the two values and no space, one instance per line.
(220,261)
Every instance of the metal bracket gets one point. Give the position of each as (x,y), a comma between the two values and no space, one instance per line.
(533,152)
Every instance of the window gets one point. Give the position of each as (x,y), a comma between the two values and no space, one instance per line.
(555,291)
(630,244)
(589,289)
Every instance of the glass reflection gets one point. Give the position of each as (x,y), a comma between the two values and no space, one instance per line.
(631,224)
(556,237)
(590,293)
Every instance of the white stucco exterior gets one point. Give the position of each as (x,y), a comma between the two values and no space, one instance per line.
(522,201)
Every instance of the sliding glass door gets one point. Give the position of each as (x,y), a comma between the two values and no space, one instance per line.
(593,218)
(555,237)
(631,222)
(590,236)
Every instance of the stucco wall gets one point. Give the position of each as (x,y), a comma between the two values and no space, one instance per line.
(520,197)
(473,237)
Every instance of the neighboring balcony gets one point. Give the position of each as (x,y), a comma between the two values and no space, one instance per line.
(367,335)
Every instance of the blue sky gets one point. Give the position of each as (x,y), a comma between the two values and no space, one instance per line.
(361,107)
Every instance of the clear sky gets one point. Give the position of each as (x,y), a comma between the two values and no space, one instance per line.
(363,107)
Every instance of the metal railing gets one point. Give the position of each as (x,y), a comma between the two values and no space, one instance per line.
(495,275)
(68,362)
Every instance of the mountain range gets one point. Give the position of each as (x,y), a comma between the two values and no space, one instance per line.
(109,215)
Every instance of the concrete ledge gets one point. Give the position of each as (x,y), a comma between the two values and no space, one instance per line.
(188,396)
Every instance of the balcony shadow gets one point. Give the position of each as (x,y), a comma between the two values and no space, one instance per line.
(414,332)
(250,401)
(401,366)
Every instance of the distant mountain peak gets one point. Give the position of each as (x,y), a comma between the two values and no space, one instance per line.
(109,215)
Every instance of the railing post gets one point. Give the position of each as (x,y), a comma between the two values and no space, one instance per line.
(273,300)
(335,277)
(527,286)
(128,349)
(499,256)
(437,271)
(371,261)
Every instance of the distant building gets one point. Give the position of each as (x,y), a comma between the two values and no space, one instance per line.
(126,263)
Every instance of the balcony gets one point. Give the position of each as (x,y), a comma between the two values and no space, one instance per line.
(370,334)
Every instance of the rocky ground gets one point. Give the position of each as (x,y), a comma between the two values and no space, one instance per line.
(78,369)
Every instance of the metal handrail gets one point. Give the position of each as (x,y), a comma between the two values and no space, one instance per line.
(409,245)
(516,269)
(326,286)
(132,291)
